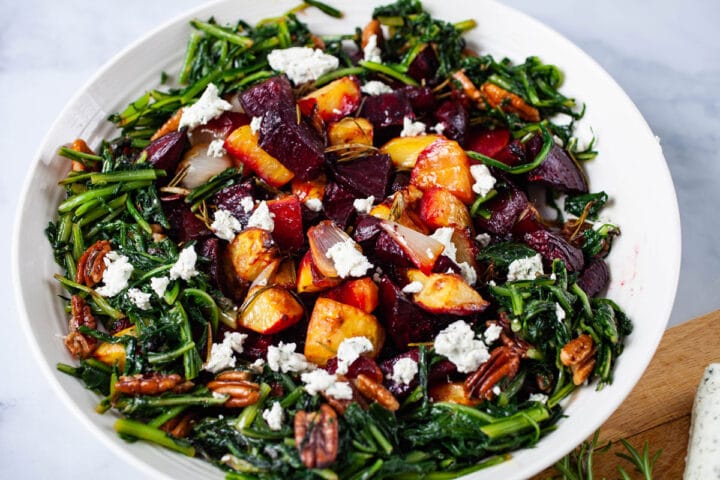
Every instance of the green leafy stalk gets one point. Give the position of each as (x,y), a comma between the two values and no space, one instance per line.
(145,432)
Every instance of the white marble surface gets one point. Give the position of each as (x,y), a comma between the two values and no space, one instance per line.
(665,54)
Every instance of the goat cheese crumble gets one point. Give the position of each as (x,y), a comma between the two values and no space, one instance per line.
(313,204)
(255,124)
(225,225)
(185,266)
(559,312)
(159,285)
(439,128)
(412,129)
(457,342)
(274,416)
(404,371)
(208,106)
(262,218)
(247,203)
(484,181)
(139,298)
(492,333)
(364,205)
(483,240)
(116,274)
(222,355)
(320,380)
(413,287)
(283,358)
(350,350)
(525,268)
(371,52)
(216,148)
(538,397)
(347,260)
(444,236)
(302,64)
(375,87)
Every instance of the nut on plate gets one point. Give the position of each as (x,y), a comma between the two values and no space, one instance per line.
(79,344)
(375,391)
(579,354)
(91,265)
(316,437)
(152,384)
(238,386)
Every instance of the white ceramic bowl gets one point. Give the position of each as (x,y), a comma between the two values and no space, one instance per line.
(644,262)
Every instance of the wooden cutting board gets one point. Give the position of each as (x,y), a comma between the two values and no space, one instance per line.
(658,409)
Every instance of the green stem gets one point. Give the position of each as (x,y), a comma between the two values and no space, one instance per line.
(68,370)
(166,357)
(342,72)
(465,25)
(249,413)
(516,423)
(126,176)
(518,169)
(387,70)
(219,32)
(189,57)
(78,156)
(99,300)
(325,8)
(139,219)
(158,421)
(142,431)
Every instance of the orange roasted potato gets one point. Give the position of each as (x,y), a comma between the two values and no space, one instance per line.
(350,130)
(444,164)
(453,392)
(285,276)
(309,189)
(446,293)
(309,278)
(242,145)
(332,322)
(250,252)
(404,151)
(334,101)
(440,208)
(270,309)
(114,353)
(361,293)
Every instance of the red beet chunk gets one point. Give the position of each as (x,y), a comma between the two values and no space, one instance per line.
(487,142)
(559,171)
(184,225)
(425,65)
(297,146)
(367,228)
(512,154)
(404,321)
(445,265)
(400,180)
(454,117)
(167,151)
(288,232)
(422,99)
(209,248)
(338,204)
(594,278)
(362,365)
(528,222)
(256,345)
(504,209)
(387,251)
(275,94)
(220,127)
(230,199)
(551,246)
(387,367)
(365,176)
(387,110)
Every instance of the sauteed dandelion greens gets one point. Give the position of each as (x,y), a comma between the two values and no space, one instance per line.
(323,256)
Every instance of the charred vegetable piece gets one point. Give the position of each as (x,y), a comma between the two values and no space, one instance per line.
(504,209)
(552,246)
(560,171)
(243,146)
(334,101)
(167,151)
(366,176)
(444,293)
(269,310)
(444,164)
(251,252)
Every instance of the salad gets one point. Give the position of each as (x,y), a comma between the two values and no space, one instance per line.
(371,255)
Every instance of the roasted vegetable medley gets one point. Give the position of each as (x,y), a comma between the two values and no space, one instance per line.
(372,255)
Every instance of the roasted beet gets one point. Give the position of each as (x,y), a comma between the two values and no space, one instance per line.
(367,228)
(275,94)
(362,365)
(288,232)
(512,154)
(404,321)
(387,367)
(184,225)
(504,209)
(399,181)
(452,114)
(167,151)
(560,172)
(388,251)
(209,248)
(528,221)
(422,99)
(231,199)
(487,142)
(220,127)
(551,246)
(338,204)
(365,176)
(387,110)
(445,265)
(595,277)
(425,64)
(256,345)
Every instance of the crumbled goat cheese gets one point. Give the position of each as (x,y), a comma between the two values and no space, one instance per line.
(247,203)
(444,236)
(492,283)
(371,52)
(483,239)
(525,268)
(363,205)
(404,371)
(350,350)
(116,274)
(159,285)
(484,181)
(559,312)
(412,129)
(283,358)
(209,106)
(538,397)
(439,128)
(185,266)
(375,87)
(302,64)
(255,124)
(222,355)
(225,225)
(257,365)
(321,381)
(313,204)
(413,287)
(139,298)
(492,333)
(457,342)
(274,416)
(347,260)
(377,275)
(262,218)
(216,148)
(496,390)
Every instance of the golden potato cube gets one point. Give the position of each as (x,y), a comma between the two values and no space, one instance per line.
(404,151)
(446,293)
(251,251)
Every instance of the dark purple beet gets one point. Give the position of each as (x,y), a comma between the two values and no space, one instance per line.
(551,246)
(338,204)
(365,176)
(209,248)
(387,251)
(256,345)
(504,209)
(184,225)
(444,264)
(512,154)
(425,65)
(422,99)
(230,199)
(367,228)
(595,277)
(297,146)
(275,94)
(167,151)
(222,126)
(387,110)
(400,390)
(559,171)
(399,181)
(404,321)
(362,365)
(453,115)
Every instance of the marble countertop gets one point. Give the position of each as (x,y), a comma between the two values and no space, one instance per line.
(666,56)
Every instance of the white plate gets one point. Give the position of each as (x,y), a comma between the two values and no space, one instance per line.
(644,262)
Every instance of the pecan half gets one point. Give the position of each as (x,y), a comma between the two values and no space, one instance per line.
(579,354)
(372,28)
(79,145)
(509,102)
(376,392)
(91,266)
(316,437)
(503,362)
(238,386)
(180,426)
(79,344)
(171,125)
(151,384)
